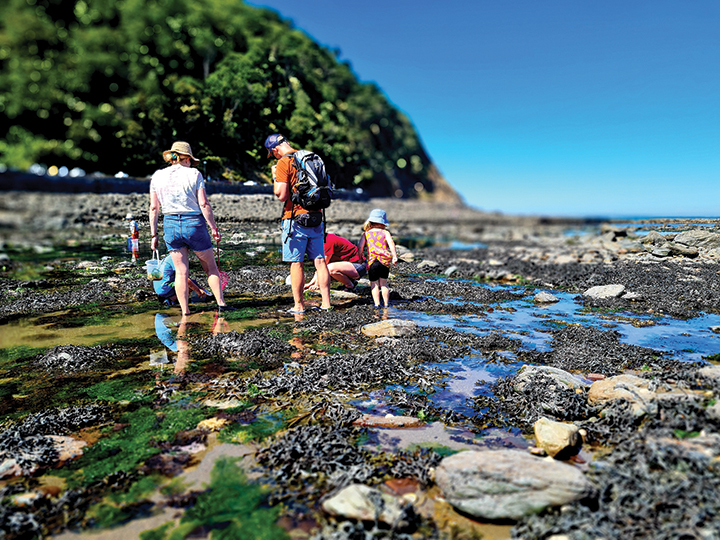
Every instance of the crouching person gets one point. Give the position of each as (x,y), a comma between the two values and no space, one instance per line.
(165,286)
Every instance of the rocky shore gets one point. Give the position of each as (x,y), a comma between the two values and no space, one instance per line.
(602,439)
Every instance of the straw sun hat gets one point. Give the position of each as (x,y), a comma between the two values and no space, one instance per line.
(180,147)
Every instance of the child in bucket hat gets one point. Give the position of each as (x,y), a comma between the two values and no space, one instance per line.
(381,254)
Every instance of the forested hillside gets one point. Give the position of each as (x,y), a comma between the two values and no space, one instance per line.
(107,85)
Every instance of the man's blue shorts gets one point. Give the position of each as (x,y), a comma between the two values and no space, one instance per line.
(186,231)
(298,240)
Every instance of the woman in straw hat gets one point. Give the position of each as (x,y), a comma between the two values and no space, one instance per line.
(180,191)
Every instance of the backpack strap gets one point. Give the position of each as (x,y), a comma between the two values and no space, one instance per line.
(290,193)
(324,226)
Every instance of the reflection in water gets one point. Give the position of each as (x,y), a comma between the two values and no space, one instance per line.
(173,335)
(163,330)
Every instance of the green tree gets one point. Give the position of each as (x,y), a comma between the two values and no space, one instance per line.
(107,85)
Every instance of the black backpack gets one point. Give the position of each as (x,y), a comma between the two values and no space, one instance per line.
(313,189)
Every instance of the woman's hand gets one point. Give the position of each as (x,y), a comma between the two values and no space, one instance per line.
(216,234)
(154,243)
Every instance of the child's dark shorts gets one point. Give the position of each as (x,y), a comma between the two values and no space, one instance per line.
(378,270)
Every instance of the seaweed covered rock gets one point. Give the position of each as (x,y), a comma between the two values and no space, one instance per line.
(259,343)
(522,402)
(72,358)
(648,488)
(347,371)
(590,350)
(36,441)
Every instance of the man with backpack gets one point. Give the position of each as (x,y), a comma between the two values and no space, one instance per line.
(301,183)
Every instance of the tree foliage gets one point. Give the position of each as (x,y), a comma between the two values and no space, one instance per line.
(107,85)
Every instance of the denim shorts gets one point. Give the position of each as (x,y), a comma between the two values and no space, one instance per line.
(360,268)
(186,231)
(298,240)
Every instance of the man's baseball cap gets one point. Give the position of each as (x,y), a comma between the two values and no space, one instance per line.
(272,141)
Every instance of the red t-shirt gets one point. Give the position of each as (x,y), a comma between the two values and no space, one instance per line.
(287,174)
(338,248)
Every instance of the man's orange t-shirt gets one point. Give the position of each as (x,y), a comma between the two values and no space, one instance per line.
(287,174)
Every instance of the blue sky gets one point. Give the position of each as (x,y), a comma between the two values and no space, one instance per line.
(570,108)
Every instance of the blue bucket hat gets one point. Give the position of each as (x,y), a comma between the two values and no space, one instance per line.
(272,141)
(379,216)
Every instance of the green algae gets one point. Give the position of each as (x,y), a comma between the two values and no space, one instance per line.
(120,507)
(230,508)
(242,313)
(160,533)
(438,448)
(119,389)
(130,442)
(259,429)
(9,357)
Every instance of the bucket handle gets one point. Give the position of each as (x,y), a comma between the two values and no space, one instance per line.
(155,255)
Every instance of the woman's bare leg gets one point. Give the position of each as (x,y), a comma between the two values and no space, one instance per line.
(182,271)
(207,260)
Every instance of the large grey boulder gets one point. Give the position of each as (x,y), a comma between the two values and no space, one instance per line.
(698,238)
(508,484)
(654,237)
(630,387)
(682,249)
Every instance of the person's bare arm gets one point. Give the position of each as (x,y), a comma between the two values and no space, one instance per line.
(312,286)
(206,210)
(154,212)
(200,292)
(391,245)
(280,189)
(361,247)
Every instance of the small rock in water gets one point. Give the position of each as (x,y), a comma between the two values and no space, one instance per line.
(389,421)
(545,298)
(390,327)
(605,291)
(364,503)
(558,439)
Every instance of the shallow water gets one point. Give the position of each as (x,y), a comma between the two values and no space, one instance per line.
(684,340)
